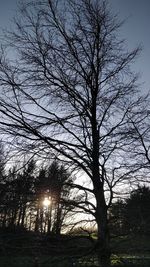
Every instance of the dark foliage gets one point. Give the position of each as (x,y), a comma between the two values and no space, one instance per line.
(132,215)
(23,193)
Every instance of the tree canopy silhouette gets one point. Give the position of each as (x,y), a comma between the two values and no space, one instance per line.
(70,93)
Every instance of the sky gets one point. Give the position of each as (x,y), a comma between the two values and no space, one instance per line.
(136,29)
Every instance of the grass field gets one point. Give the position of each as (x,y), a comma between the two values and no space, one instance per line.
(28,250)
(45,261)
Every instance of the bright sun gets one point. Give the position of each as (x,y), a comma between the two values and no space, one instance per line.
(46,202)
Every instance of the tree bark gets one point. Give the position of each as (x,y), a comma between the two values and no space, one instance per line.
(103,239)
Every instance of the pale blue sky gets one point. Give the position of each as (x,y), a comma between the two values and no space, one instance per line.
(136,29)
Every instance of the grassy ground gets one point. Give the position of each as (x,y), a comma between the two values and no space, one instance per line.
(132,244)
(133,250)
(131,260)
(30,250)
(125,260)
(48,262)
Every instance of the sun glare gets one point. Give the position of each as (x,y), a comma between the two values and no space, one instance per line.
(46,202)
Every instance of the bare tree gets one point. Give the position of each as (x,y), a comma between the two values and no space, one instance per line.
(69,92)
(138,137)
(141,129)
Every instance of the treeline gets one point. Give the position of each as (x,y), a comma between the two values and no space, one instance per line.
(40,198)
(35,199)
(131,215)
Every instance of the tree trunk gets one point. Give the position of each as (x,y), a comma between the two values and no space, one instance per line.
(36,228)
(19,216)
(103,243)
(103,239)
(23,215)
(49,219)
